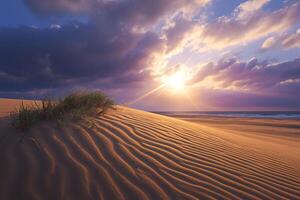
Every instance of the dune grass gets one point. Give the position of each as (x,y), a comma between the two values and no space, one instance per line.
(74,106)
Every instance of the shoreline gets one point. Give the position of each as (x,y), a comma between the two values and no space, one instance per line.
(234,116)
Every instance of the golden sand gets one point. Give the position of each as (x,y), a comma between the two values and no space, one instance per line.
(132,154)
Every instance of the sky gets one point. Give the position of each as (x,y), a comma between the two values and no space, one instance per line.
(157,55)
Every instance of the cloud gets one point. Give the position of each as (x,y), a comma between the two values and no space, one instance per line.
(47,58)
(55,26)
(247,8)
(248,22)
(285,41)
(179,35)
(268,43)
(60,6)
(291,41)
(105,50)
(133,10)
(237,30)
(251,76)
(121,43)
(290,81)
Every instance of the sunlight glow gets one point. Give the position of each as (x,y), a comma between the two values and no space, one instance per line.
(176,81)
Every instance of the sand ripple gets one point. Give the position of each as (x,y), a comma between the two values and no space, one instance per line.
(131,154)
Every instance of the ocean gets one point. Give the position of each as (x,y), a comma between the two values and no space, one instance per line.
(242,114)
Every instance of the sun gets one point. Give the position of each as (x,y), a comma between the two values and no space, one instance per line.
(176,81)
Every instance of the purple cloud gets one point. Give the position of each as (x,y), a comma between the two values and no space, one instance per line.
(33,59)
(285,41)
(120,41)
(253,76)
(245,25)
(106,47)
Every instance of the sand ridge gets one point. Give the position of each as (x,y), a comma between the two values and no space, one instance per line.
(131,154)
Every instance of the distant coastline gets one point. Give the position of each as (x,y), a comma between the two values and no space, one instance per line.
(238,114)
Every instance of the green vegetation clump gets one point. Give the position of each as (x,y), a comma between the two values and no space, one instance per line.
(74,106)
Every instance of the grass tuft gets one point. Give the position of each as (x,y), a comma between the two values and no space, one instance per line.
(74,106)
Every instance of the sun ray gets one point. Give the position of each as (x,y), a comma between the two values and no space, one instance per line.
(147,94)
(174,82)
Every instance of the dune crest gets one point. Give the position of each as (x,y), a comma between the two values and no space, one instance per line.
(131,154)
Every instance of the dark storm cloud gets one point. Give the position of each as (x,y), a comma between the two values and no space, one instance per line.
(124,10)
(33,58)
(106,47)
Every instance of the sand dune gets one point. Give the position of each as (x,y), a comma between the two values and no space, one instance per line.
(131,154)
